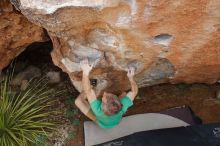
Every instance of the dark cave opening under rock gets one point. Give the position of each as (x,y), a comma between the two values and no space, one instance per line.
(35,61)
(37,54)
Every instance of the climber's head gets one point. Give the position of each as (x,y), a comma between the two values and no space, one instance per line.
(110,104)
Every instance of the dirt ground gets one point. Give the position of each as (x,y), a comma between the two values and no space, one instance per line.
(200,97)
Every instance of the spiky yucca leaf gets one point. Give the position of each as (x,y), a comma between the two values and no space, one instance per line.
(26,115)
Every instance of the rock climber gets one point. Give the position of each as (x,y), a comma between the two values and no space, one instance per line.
(108,111)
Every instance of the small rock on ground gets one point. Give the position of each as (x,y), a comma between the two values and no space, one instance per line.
(24,85)
(28,73)
(218,94)
(54,77)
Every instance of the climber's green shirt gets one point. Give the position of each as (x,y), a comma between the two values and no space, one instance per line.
(105,121)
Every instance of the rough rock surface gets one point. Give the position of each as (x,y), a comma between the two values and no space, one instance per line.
(16,32)
(166,41)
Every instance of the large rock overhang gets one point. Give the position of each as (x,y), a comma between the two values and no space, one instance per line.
(166,41)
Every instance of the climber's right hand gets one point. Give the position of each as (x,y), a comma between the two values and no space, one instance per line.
(85,66)
(130,72)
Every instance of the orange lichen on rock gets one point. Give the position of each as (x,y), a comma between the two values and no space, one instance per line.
(16,32)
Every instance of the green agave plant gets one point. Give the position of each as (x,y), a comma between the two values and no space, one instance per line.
(25,116)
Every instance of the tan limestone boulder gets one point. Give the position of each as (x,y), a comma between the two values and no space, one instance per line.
(166,41)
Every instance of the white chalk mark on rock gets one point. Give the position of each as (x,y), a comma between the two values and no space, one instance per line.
(50,6)
(70,66)
(124,20)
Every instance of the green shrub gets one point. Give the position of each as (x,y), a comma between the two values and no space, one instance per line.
(26,115)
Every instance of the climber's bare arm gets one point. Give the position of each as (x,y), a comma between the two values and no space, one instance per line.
(86,68)
(123,94)
(134,88)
